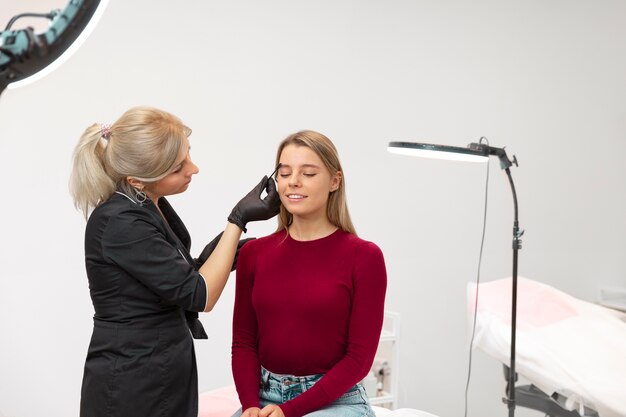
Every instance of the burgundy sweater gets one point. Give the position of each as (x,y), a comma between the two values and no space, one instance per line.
(304,308)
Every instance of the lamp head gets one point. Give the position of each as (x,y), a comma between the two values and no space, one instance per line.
(474,152)
(427,150)
(26,56)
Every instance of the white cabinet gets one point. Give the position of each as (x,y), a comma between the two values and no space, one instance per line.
(382,382)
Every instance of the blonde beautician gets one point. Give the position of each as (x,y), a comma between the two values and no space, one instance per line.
(145,286)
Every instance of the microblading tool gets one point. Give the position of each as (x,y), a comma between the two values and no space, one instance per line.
(276,170)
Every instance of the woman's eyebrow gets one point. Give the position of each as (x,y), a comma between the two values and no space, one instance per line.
(300,166)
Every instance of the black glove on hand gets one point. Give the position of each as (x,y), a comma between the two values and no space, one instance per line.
(252,207)
(210,247)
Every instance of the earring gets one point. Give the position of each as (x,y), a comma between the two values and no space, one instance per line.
(140,196)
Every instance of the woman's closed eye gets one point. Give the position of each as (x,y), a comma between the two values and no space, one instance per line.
(179,167)
(306,174)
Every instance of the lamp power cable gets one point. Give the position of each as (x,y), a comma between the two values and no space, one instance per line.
(480,256)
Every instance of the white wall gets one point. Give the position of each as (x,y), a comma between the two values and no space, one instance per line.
(545,78)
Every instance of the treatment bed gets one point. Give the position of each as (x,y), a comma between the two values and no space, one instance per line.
(572,352)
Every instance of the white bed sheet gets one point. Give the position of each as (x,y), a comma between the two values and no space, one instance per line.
(563,344)
(400,412)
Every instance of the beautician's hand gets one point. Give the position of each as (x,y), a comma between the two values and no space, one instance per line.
(271,410)
(251,412)
(252,207)
(210,247)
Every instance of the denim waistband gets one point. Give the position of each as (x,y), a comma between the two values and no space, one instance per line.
(268,377)
(280,388)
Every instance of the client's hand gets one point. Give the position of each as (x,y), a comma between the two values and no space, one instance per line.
(271,410)
(251,412)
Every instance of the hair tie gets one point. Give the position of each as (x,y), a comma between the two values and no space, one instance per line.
(105,131)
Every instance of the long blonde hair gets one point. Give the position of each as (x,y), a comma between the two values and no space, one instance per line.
(337,206)
(143,143)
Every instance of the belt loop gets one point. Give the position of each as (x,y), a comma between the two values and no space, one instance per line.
(265,381)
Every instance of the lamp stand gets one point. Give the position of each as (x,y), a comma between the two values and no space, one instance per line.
(505,164)
(477,152)
(517,245)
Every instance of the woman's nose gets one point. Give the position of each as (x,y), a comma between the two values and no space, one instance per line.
(293,180)
(193,168)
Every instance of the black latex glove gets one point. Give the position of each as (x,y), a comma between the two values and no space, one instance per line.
(210,247)
(252,207)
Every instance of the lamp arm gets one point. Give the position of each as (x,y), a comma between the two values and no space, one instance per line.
(24,52)
(505,162)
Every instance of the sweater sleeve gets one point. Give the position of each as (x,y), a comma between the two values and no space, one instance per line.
(365,325)
(246,366)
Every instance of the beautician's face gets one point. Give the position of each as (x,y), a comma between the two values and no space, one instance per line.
(179,177)
(304,182)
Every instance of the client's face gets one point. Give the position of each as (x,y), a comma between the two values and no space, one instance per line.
(304,182)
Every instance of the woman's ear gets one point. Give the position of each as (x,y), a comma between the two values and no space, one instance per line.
(335,182)
(135,183)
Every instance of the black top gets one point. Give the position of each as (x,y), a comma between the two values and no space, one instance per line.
(141,360)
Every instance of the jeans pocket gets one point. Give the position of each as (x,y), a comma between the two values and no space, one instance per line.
(354,396)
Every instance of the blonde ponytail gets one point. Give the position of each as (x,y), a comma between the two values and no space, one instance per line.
(90,185)
(143,144)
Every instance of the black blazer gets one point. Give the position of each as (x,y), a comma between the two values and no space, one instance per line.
(142,279)
(139,267)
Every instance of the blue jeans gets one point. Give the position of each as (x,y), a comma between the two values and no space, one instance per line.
(278,389)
